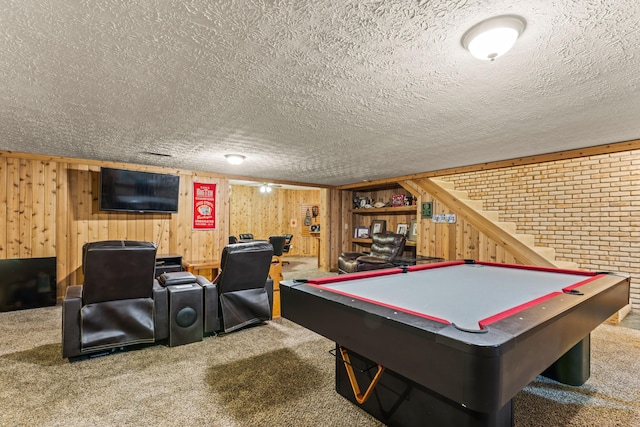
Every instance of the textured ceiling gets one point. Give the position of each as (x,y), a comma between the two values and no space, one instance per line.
(323,91)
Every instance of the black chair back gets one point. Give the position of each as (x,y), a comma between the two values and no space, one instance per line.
(118,270)
(244,266)
(278,244)
(233,240)
(246,236)
(287,242)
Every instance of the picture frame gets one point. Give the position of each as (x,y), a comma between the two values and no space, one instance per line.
(361,232)
(413,231)
(397,200)
(402,229)
(378,226)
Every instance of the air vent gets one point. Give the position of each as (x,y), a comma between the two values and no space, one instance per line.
(151,153)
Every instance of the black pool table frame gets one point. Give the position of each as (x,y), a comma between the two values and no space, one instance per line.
(436,374)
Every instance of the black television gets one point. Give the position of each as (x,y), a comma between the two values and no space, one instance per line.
(27,283)
(134,191)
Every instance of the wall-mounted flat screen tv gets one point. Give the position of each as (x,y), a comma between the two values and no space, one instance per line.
(133,191)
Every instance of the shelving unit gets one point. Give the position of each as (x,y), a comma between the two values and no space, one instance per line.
(362,217)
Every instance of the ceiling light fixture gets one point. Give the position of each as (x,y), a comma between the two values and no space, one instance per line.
(234,159)
(493,37)
(265,188)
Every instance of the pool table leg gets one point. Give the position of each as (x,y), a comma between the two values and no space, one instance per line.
(572,368)
(398,401)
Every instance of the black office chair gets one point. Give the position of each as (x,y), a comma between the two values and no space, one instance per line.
(278,247)
(246,237)
(233,240)
(287,245)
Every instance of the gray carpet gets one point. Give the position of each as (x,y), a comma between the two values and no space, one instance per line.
(276,374)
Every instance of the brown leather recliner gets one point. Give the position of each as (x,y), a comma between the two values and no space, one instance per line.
(120,303)
(384,248)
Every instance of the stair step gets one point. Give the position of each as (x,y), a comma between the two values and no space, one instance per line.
(527,239)
(548,253)
(491,215)
(568,265)
(459,194)
(474,204)
(444,184)
(509,227)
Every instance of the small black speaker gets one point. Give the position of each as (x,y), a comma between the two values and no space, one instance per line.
(185,314)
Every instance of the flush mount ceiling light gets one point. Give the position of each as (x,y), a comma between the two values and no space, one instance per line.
(234,159)
(493,37)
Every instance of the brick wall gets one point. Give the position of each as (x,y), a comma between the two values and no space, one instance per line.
(587,209)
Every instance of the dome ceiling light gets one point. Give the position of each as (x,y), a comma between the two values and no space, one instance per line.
(493,37)
(234,159)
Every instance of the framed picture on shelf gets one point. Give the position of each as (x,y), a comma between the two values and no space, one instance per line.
(397,200)
(402,229)
(361,233)
(413,231)
(378,226)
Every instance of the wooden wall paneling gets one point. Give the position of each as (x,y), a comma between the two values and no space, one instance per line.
(183,243)
(61,203)
(25,197)
(37,209)
(102,218)
(90,195)
(323,240)
(266,214)
(4,208)
(464,245)
(47,215)
(345,233)
(70,216)
(440,232)
(222,217)
(13,208)
(331,229)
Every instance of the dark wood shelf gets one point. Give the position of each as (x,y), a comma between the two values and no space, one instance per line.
(362,241)
(389,211)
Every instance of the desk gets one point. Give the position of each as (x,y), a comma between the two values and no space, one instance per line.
(456,340)
(194,267)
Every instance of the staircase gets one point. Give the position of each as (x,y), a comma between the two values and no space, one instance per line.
(521,246)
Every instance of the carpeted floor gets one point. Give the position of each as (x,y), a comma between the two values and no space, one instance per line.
(275,374)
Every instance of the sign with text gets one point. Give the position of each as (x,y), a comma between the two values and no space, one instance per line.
(204,206)
(444,218)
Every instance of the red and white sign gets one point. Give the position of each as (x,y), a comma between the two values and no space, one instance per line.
(204,206)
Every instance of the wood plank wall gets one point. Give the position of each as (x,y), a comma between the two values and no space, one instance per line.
(267,214)
(50,208)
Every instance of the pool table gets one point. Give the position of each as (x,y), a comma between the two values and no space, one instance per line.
(452,343)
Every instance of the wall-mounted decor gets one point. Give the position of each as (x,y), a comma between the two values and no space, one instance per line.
(413,231)
(444,218)
(427,209)
(378,226)
(310,217)
(204,206)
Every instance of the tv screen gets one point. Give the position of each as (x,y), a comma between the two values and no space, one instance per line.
(132,191)
(27,283)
